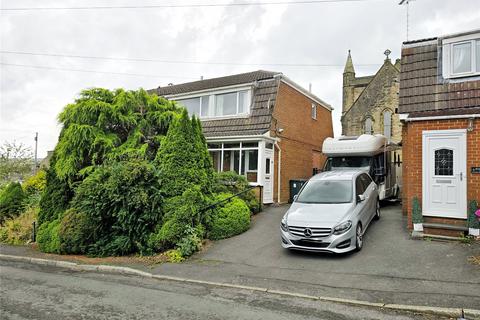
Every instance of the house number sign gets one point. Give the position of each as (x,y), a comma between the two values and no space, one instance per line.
(476,170)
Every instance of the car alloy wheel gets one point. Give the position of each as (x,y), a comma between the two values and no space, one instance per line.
(377,211)
(359,237)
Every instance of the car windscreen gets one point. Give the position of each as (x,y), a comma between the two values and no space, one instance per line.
(349,162)
(326,191)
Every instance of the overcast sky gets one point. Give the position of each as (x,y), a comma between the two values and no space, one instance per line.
(246,37)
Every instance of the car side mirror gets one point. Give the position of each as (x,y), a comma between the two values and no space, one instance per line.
(360,198)
(295,197)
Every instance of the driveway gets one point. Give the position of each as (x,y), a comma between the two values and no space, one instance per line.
(391,267)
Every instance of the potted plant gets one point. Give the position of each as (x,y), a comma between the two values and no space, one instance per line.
(417,217)
(473,219)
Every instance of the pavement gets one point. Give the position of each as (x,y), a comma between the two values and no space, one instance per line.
(391,268)
(43,292)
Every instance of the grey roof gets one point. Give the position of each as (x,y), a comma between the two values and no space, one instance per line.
(215,82)
(424,91)
(264,95)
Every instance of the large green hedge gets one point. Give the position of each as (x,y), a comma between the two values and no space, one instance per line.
(231,182)
(131,173)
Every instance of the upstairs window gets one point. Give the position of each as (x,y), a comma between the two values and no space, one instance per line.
(461,56)
(314,111)
(218,105)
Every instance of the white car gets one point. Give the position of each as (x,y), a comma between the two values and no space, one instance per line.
(331,212)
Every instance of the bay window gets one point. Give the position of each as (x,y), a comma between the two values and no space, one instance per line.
(241,157)
(223,104)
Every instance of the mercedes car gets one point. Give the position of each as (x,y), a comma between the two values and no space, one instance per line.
(331,212)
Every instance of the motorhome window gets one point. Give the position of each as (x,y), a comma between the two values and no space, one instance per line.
(350,162)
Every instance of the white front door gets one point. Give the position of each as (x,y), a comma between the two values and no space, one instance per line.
(444,173)
(268,177)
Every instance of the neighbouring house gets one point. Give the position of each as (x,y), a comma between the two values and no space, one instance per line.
(440,110)
(260,124)
(370,103)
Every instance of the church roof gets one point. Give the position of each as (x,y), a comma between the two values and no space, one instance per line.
(372,89)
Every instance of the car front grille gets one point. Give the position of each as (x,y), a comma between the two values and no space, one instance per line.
(310,244)
(316,232)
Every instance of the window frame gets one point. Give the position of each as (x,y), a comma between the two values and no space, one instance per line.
(212,94)
(447,56)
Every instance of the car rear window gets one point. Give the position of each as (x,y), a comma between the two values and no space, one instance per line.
(326,191)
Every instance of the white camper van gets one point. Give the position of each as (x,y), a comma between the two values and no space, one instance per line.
(372,153)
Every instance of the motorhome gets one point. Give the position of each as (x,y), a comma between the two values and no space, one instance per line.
(372,153)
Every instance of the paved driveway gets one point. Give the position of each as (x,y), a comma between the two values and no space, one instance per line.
(390,268)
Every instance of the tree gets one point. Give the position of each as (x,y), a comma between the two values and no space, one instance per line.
(15,161)
(183,159)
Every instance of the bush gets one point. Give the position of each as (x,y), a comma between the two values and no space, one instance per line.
(231,182)
(174,256)
(11,200)
(36,183)
(48,237)
(230,219)
(56,196)
(190,243)
(18,231)
(76,232)
(182,213)
(472,219)
(123,203)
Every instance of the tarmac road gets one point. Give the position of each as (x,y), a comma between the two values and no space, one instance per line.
(45,292)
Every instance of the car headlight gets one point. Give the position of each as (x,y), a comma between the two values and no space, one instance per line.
(342,227)
(283,225)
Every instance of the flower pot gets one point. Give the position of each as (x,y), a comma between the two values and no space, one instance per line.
(418,227)
(474,232)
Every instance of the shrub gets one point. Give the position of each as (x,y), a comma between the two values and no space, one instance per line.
(56,196)
(190,243)
(174,256)
(18,231)
(35,183)
(48,237)
(123,203)
(76,232)
(472,218)
(11,201)
(229,219)
(182,213)
(416,211)
(231,182)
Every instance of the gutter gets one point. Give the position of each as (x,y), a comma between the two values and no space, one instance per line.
(279,170)
(462,116)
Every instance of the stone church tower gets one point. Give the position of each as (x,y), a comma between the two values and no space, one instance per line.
(370,103)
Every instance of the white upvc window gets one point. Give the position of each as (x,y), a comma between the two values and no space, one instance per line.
(221,104)
(461,56)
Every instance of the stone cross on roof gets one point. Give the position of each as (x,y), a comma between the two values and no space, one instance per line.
(387,53)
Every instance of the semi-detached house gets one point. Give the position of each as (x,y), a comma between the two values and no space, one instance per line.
(440,109)
(260,124)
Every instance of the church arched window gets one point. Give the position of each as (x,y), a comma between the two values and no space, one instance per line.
(368,125)
(387,124)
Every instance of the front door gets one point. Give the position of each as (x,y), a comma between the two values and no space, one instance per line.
(268,177)
(444,173)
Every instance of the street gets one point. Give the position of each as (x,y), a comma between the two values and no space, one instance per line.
(41,292)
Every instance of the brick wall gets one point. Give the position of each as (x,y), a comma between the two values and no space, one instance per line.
(301,139)
(412,161)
